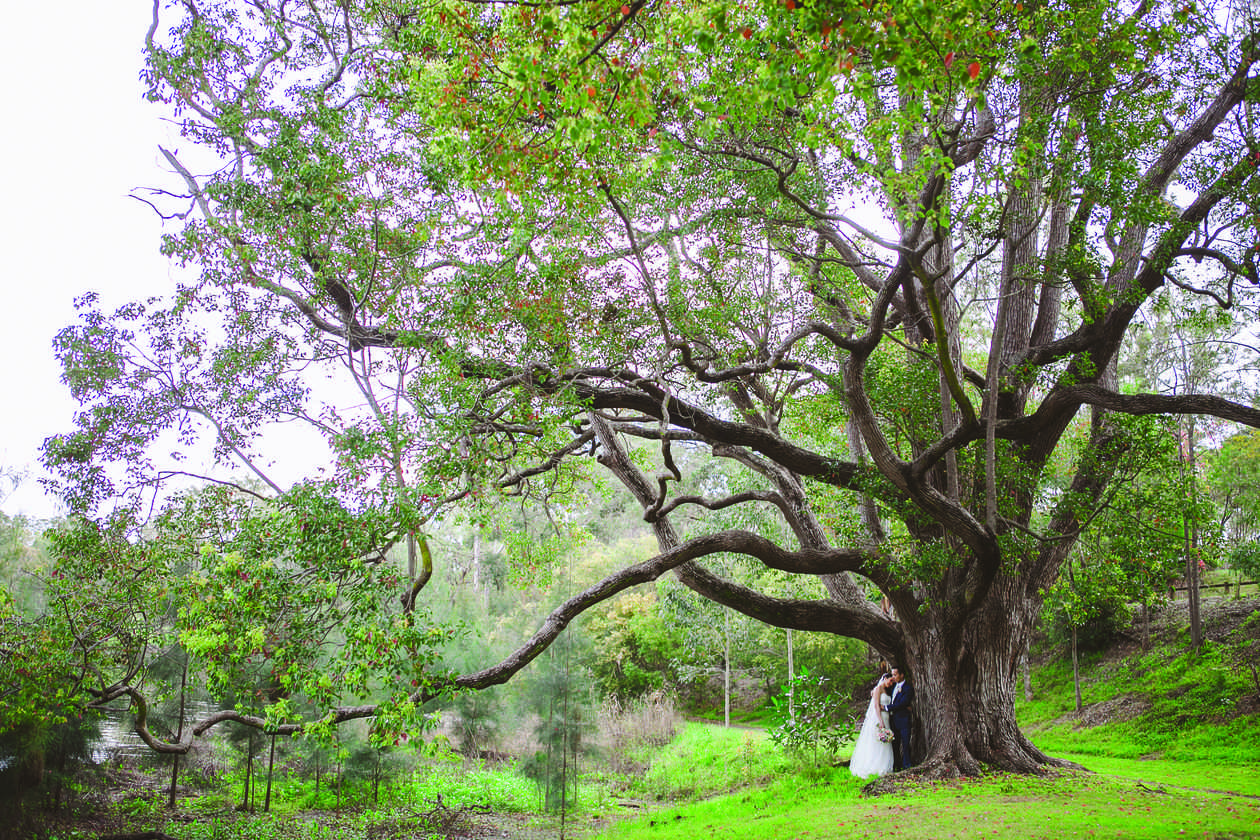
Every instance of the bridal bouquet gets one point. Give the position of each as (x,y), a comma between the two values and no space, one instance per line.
(884,733)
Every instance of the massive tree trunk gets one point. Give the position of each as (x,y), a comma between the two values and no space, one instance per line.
(965,690)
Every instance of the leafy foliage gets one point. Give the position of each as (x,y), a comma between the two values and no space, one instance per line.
(1245,557)
(1243,651)
(1137,546)
(812,719)
(1233,474)
(285,606)
(635,648)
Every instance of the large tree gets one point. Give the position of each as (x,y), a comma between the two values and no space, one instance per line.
(879,257)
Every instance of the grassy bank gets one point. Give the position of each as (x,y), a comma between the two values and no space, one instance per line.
(1167,702)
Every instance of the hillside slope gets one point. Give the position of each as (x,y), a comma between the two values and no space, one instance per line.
(1164,701)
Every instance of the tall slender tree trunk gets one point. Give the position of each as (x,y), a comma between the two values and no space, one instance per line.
(1190,526)
(1146,623)
(791,677)
(249,771)
(476,561)
(564,752)
(179,735)
(1192,591)
(271,764)
(726,665)
(1076,671)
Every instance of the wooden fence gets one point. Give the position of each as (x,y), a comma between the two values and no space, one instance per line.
(1237,587)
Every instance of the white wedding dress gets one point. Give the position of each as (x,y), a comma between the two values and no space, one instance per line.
(871,756)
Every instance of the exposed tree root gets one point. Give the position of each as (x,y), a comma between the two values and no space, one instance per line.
(952,770)
(1064,764)
(1047,760)
(912,778)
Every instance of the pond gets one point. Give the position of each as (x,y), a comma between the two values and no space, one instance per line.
(118,739)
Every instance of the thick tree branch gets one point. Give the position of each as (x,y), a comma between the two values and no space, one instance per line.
(1197,404)
(808,562)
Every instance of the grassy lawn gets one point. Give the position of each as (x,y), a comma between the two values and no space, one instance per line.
(708,759)
(1071,806)
(1121,797)
(1241,779)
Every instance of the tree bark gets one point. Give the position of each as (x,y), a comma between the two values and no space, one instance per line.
(249,773)
(965,694)
(271,764)
(791,675)
(179,736)
(1076,671)
(726,666)
(1190,526)
(964,667)
(1146,624)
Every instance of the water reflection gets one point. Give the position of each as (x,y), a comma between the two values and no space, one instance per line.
(118,739)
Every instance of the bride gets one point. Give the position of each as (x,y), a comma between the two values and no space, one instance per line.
(873,753)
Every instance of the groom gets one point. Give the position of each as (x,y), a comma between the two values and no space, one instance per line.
(899,716)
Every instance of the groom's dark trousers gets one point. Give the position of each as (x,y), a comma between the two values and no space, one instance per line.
(899,717)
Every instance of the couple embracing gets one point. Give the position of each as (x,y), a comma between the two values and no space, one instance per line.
(883,744)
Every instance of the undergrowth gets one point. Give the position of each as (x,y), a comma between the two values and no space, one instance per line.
(705,760)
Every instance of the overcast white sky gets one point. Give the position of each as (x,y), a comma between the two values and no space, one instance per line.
(77,138)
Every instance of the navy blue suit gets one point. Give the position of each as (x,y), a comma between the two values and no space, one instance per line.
(899,717)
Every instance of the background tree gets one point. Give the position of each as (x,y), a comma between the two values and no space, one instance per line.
(1134,549)
(1183,348)
(559,695)
(636,647)
(1233,479)
(877,257)
(23,555)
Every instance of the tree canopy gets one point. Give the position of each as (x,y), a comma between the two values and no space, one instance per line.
(878,259)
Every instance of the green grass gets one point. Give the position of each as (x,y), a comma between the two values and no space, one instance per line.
(501,789)
(1185,702)
(1170,760)
(763,715)
(1242,779)
(1071,806)
(705,760)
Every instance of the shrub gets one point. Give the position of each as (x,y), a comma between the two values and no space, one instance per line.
(1244,558)
(813,721)
(648,721)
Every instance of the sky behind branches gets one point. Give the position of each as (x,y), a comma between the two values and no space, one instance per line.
(80,142)
(78,138)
